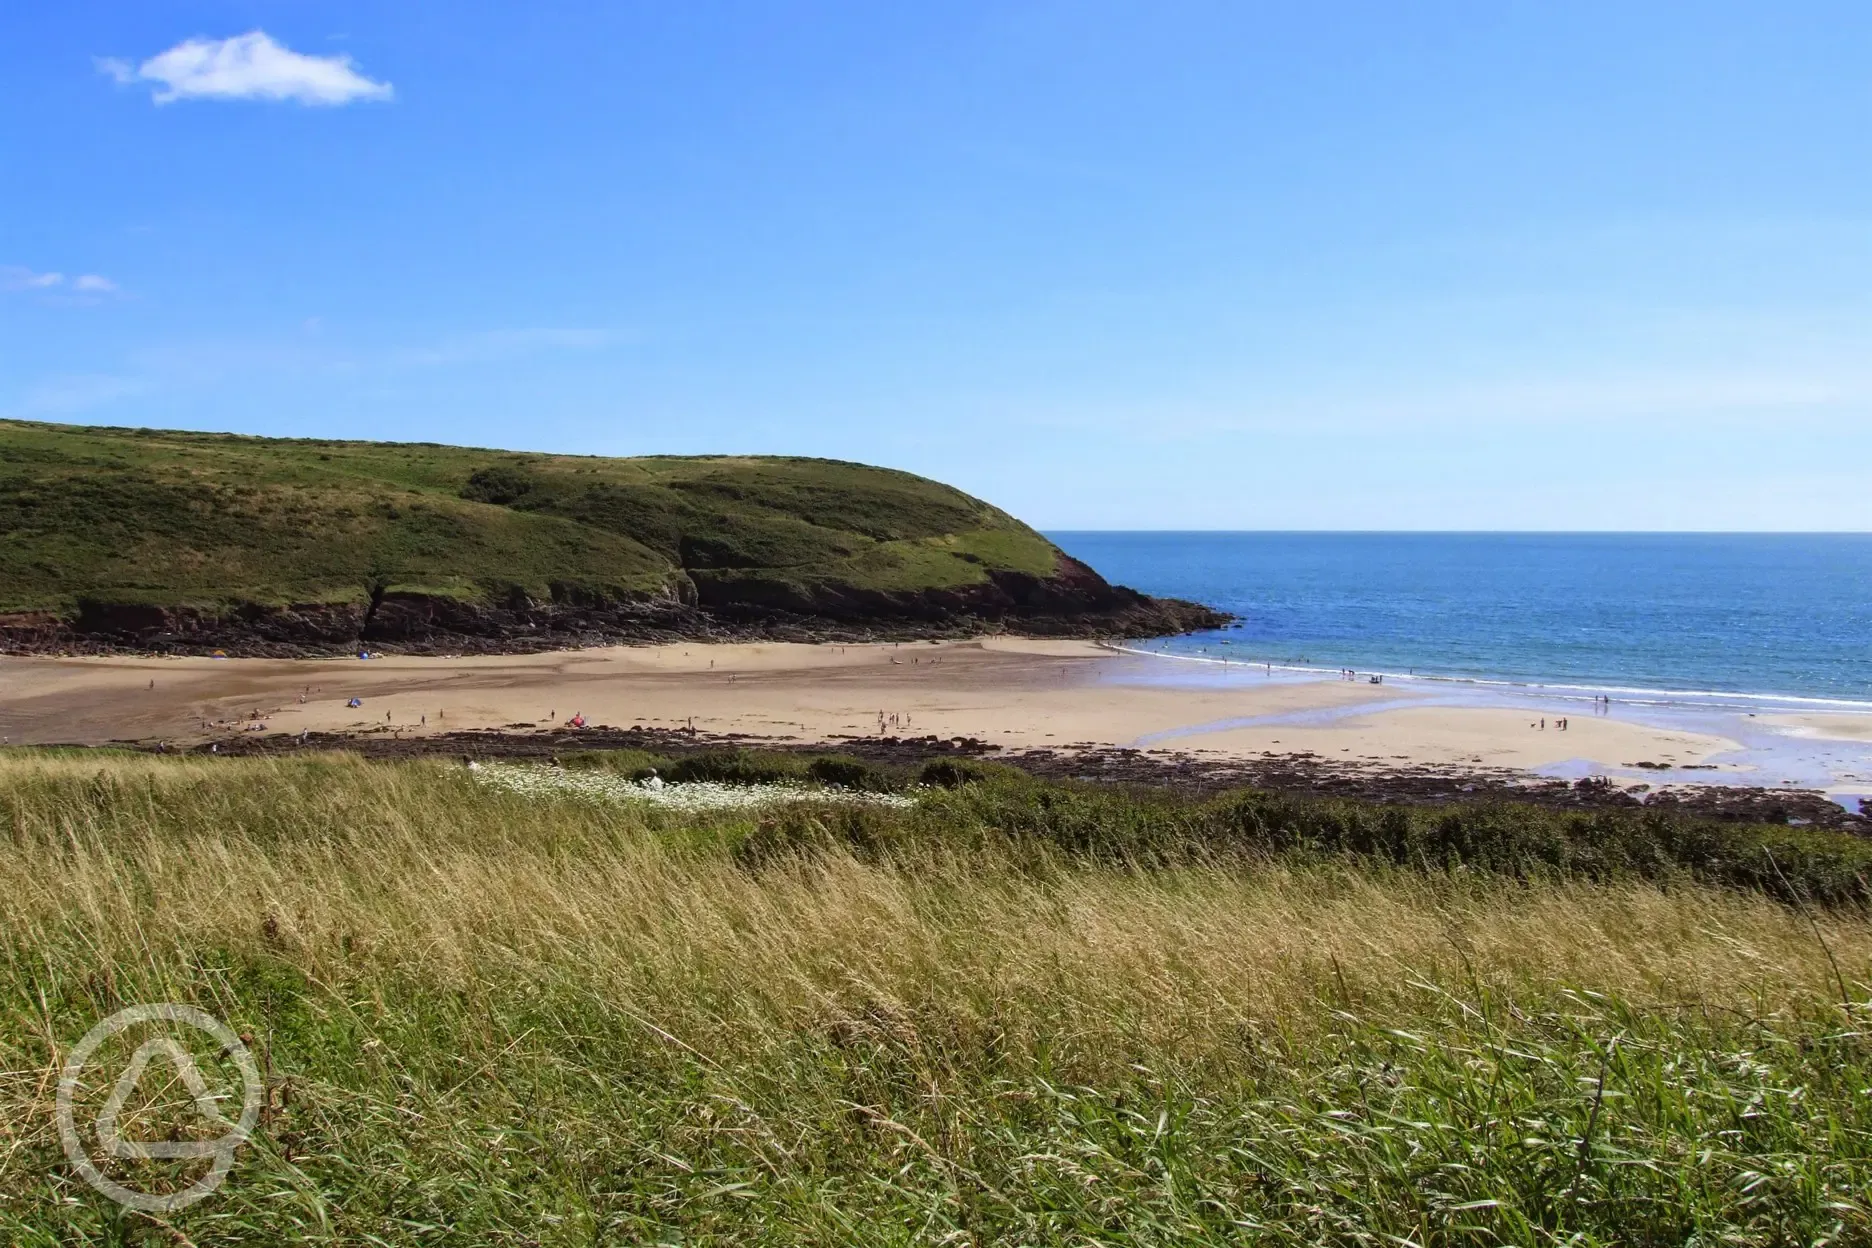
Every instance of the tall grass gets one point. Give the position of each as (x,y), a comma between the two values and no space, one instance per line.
(496,1020)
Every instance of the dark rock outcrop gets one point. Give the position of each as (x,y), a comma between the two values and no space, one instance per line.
(1075,602)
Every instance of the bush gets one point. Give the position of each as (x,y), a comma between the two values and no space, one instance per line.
(805,830)
(737,767)
(634,763)
(1518,839)
(953,773)
(839,772)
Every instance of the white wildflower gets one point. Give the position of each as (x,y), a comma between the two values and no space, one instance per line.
(692,796)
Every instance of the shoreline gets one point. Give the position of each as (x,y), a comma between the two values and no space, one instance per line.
(1012,695)
(1636,695)
(1199,774)
(1770,741)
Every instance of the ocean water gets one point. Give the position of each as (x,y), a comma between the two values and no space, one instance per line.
(1690,618)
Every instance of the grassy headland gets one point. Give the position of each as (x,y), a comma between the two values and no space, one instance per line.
(522,1011)
(160,537)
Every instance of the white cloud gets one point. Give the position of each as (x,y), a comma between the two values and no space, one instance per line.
(14,278)
(247,67)
(56,288)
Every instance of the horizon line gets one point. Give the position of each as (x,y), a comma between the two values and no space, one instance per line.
(1425,532)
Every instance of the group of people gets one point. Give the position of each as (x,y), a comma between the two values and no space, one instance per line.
(1602,705)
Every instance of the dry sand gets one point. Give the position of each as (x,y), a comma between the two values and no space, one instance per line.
(1014,693)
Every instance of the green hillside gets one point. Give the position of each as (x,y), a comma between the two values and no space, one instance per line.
(206,527)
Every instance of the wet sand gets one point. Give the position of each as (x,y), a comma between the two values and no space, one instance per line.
(1009,692)
(1824,727)
(1475,735)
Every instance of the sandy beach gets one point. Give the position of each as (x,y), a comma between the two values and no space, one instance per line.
(1824,727)
(1010,692)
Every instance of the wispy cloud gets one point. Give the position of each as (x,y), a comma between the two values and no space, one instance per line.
(83,288)
(65,394)
(247,67)
(12,277)
(1687,401)
(254,367)
(499,344)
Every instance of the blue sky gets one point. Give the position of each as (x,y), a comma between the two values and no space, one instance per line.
(1120,265)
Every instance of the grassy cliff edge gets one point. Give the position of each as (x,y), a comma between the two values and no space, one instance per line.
(160,539)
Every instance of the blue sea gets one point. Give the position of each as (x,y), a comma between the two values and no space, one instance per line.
(1690,618)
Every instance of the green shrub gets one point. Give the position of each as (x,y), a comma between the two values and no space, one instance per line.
(839,772)
(1518,839)
(953,773)
(737,767)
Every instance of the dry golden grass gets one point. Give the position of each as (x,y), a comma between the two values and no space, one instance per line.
(413,871)
(375,892)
